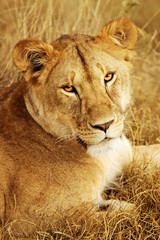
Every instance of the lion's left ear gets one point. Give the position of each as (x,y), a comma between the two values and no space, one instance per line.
(34,58)
(121,31)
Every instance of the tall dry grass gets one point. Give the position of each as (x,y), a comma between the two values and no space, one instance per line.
(48,19)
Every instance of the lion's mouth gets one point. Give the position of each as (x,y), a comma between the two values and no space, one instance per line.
(82,142)
(85,145)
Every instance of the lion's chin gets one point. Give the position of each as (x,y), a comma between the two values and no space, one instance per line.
(107,145)
(90,143)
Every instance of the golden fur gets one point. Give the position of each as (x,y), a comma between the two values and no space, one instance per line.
(60,148)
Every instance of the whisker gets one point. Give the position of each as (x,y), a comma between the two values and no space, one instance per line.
(66,136)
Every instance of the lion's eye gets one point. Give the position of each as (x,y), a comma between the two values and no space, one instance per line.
(108,77)
(69,89)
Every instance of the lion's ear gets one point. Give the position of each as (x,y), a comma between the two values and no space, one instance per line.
(33,57)
(121,31)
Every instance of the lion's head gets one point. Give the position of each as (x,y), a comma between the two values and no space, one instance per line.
(78,87)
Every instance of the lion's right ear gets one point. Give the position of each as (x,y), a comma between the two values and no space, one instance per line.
(34,57)
(121,32)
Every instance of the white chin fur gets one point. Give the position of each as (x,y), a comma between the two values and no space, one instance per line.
(108,145)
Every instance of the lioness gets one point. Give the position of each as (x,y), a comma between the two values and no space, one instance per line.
(61,126)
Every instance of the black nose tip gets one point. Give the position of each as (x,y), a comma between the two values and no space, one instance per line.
(103,126)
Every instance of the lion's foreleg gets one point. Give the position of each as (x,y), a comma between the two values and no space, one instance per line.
(147,155)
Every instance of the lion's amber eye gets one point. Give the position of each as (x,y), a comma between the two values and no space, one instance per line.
(69,89)
(109,77)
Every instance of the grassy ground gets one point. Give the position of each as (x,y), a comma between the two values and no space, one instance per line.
(48,19)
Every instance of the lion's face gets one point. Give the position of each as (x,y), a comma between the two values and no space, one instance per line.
(84,100)
(81,88)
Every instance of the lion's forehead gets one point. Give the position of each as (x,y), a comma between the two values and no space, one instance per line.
(84,65)
(87,59)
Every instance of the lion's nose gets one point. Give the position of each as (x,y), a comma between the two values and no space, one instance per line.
(103,126)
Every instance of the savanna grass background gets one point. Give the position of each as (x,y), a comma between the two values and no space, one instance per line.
(49,19)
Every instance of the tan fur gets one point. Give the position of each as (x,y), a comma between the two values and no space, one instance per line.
(53,151)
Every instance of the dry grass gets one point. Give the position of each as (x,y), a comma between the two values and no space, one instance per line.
(47,20)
